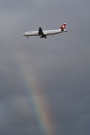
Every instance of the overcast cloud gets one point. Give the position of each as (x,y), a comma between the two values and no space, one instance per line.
(55,72)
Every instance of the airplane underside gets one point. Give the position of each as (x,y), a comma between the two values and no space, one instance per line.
(43,36)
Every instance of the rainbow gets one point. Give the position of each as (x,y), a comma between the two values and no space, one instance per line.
(41,110)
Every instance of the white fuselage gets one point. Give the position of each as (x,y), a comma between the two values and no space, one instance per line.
(46,32)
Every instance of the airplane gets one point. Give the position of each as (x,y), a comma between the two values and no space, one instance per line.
(45,33)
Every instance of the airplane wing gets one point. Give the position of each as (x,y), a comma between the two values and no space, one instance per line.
(41,33)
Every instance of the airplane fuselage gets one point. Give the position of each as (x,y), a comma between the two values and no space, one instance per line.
(46,32)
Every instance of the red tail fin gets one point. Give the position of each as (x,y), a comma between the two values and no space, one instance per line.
(63,27)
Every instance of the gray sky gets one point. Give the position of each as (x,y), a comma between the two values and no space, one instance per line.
(44,84)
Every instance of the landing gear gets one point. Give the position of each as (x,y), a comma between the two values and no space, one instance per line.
(27,37)
(43,36)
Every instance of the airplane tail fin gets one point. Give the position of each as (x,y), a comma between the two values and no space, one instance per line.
(63,27)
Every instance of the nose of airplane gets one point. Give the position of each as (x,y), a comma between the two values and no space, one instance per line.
(24,34)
